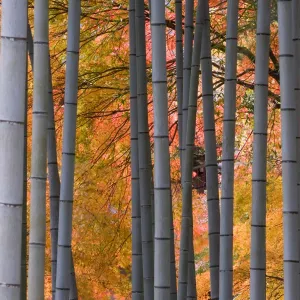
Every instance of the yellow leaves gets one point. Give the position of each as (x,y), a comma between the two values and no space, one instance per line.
(242,238)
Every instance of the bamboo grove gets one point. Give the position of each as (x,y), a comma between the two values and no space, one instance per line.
(140,149)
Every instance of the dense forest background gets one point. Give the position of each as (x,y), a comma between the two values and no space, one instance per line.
(102,201)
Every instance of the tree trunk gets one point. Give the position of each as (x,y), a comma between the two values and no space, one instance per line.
(12,107)
(68,155)
(228,147)
(137,263)
(37,234)
(186,236)
(161,154)
(145,172)
(258,225)
(211,166)
(289,156)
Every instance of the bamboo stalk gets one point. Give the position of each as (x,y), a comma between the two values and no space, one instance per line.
(258,225)
(296,45)
(210,157)
(12,107)
(186,236)
(179,72)
(37,233)
(68,155)
(137,263)
(24,213)
(226,217)
(162,194)
(145,170)
(289,155)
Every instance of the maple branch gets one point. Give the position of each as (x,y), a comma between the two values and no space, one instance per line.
(274,277)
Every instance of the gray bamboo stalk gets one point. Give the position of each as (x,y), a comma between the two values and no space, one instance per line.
(173,279)
(54,184)
(210,157)
(149,156)
(12,106)
(53,175)
(68,155)
(37,234)
(186,236)
(137,263)
(258,225)
(179,84)
(179,71)
(296,45)
(179,87)
(162,180)
(289,156)
(226,217)
(188,50)
(145,170)
(187,61)
(191,288)
(24,213)
(54,181)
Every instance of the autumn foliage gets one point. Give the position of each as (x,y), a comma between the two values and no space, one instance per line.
(102,207)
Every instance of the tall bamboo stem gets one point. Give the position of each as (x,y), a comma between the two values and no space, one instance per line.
(179,72)
(54,181)
(161,154)
(37,234)
(68,156)
(12,107)
(296,45)
(137,263)
(289,155)
(186,270)
(24,213)
(145,170)
(258,225)
(210,157)
(226,218)
(187,62)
